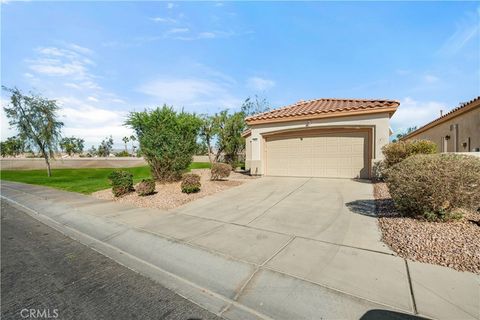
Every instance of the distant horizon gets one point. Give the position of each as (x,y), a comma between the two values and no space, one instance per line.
(101,60)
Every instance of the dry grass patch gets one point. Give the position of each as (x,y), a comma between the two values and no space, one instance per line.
(453,244)
(170,195)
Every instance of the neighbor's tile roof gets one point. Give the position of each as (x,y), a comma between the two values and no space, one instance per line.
(323,107)
(451,114)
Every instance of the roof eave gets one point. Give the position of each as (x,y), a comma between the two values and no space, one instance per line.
(473,104)
(390,111)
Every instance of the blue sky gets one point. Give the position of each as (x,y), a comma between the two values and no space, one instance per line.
(101,60)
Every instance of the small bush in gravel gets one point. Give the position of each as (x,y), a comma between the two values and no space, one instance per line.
(378,171)
(398,151)
(436,187)
(146,187)
(220,171)
(190,183)
(122,182)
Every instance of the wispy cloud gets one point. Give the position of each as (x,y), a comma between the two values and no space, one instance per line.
(72,62)
(260,84)
(163,20)
(195,94)
(171,5)
(415,113)
(467,28)
(430,78)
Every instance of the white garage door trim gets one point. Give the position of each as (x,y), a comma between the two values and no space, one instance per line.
(286,149)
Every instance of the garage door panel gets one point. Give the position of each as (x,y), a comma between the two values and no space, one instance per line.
(340,154)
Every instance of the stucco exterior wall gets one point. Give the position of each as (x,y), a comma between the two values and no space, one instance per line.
(465,137)
(378,122)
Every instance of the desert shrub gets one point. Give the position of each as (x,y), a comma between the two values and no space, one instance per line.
(168,140)
(378,171)
(437,187)
(146,187)
(190,183)
(122,182)
(398,151)
(220,171)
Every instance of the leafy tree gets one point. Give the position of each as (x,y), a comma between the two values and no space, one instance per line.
(91,152)
(403,134)
(35,119)
(208,131)
(133,139)
(105,147)
(225,129)
(12,147)
(125,140)
(255,105)
(72,145)
(167,140)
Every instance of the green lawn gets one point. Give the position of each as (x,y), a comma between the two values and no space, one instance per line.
(85,181)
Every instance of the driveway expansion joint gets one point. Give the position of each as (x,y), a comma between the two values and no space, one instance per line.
(286,196)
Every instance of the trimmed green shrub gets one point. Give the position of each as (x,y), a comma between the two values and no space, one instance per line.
(190,183)
(168,140)
(437,187)
(220,171)
(122,182)
(396,152)
(146,187)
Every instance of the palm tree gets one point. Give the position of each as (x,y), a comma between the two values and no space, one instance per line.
(133,138)
(125,140)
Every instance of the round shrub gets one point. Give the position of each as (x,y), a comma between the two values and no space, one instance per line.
(190,183)
(122,182)
(396,152)
(220,171)
(437,187)
(146,187)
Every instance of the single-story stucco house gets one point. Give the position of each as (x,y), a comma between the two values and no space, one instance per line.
(336,138)
(455,131)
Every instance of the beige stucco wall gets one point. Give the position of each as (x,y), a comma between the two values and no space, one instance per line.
(378,122)
(248,151)
(468,126)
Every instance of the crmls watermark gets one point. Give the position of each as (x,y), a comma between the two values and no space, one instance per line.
(39,313)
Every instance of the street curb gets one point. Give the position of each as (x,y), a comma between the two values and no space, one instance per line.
(201,296)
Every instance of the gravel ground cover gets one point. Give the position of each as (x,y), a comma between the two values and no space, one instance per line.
(169,195)
(453,244)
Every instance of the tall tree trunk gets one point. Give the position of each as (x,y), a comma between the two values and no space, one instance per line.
(49,171)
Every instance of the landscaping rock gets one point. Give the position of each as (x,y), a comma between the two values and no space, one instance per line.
(454,244)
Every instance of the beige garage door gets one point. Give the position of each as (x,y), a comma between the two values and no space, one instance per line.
(335,155)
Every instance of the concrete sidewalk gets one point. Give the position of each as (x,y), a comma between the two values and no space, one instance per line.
(247,273)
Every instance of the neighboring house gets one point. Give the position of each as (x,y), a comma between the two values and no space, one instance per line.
(455,131)
(337,138)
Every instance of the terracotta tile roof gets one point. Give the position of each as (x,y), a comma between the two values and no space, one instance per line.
(324,108)
(452,113)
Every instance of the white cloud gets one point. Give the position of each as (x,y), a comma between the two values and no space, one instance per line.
(260,84)
(92,99)
(163,20)
(415,113)
(176,30)
(467,28)
(92,123)
(60,62)
(171,5)
(195,94)
(431,78)
(5,127)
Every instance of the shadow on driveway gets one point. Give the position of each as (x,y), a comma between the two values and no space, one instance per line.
(379,314)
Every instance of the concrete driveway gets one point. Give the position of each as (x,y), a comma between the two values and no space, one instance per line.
(337,211)
(281,248)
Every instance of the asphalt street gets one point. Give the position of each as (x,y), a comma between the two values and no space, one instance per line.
(45,275)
